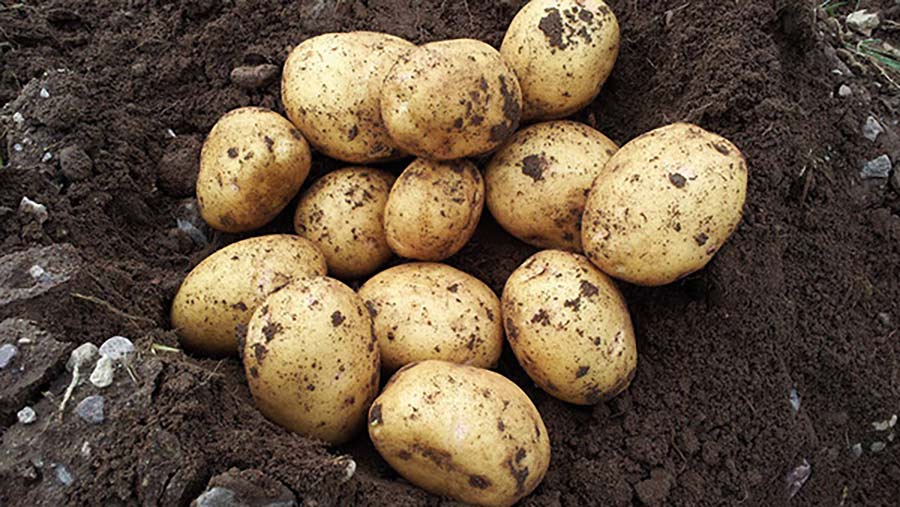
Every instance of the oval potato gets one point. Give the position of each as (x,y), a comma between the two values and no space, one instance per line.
(252,164)
(460,431)
(426,310)
(451,99)
(433,209)
(569,327)
(537,184)
(220,293)
(665,204)
(562,52)
(311,359)
(331,90)
(343,214)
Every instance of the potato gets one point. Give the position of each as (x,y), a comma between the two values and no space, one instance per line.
(425,310)
(343,214)
(221,292)
(461,431)
(537,184)
(664,205)
(311,359)
(451,99)
(562,51)
(433,209)
(569,328)
(331,90)
(251,166)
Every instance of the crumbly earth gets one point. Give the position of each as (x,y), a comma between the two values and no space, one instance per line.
(113,98)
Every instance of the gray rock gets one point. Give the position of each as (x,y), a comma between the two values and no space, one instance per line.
(117,348)
(797,477)
(91,409)
(63,475)
(7,352)
(876,168)
(877,446)
(27,415)
(82,357)
(245,488)
(845,91)
(857,450)
(218,497)
(863,22)
(33,209)
(104,372)
(75,164)
(872,129)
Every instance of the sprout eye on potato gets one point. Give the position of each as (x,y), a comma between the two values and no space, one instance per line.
(569,327)
(460,431)
(252,164)
(562,51)
(221,292)
(426,310)
(664,205)
(433,209)
(538,182)
(311,359)
(343,214)
(451,99)
(331,90)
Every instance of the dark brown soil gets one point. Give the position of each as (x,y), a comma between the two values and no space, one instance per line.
(805,296)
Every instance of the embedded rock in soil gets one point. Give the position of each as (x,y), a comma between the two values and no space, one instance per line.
(39,358)
(74,163)
(245,488)
(91,409)
(876,168)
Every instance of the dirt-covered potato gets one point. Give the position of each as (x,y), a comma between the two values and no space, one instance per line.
(537,184)
(568,326)
(343,214)
(562,51)
(426,310)
(251,166)
(433,209)
(311,359)
(664,205)
(331,89)
(461,431)
(220,294)
(451,99)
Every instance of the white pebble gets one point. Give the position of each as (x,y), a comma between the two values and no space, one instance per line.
(893,421)
(63,475)
(877,446)
(795,399)
(91,409)
(7,352)
(27,415)
(47,157)
(856,450)
(17,147)
(38,273)
(86,449)
(872,129)
(44,93)
(36,209)
(171,133)
(845,91)
(117,348)
(82,356)
(18,118)
(104,373)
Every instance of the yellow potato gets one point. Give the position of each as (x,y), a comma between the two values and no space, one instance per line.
(251,166)
(461,431)
(220,293)
(451,99)
(665,204)
(331,89)
(537,184)
(569,327)
(311,359)
(562,51)
(433,209)
(425,310)
(343,214)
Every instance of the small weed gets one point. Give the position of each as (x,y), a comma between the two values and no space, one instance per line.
(831,7)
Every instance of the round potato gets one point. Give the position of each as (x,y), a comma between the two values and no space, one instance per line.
(562,51)
(343,214)
(537,184)
(451,99)
(311,359)
(433,209)
(220,293)
(331,89)
(251,166)
(461,431)
(569,327)
(664,205)
(425,310)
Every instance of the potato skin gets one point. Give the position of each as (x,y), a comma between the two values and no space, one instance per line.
(537,184)
(568,326)
(222,292)
(562,51)
(311,359)
(252,164)
(665,204)
(460,431)
(343,214)
(433,209)
(424,310)
(451,99)
(331,90)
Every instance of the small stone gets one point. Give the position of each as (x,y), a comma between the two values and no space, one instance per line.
(251,77)
(857,450)
(82,356)
(884,317)
(117,348)
(47,157)
(797,477)
(18,147)
(91,409)
(63,475)
(349,470)
(44,93)
(75,164)
(872,129)
(171,133)
(876,168)
(877,446)
(104,372)
(863,22)
(795,399)
(27,415)
(845,91)
(38,273)
(86,449)
(33,209)
(216,497)
(18,118)
(893,421)
(7,352)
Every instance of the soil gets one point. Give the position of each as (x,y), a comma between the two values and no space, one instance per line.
(805,296)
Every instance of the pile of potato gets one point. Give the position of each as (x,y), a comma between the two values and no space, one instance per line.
(649,213)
